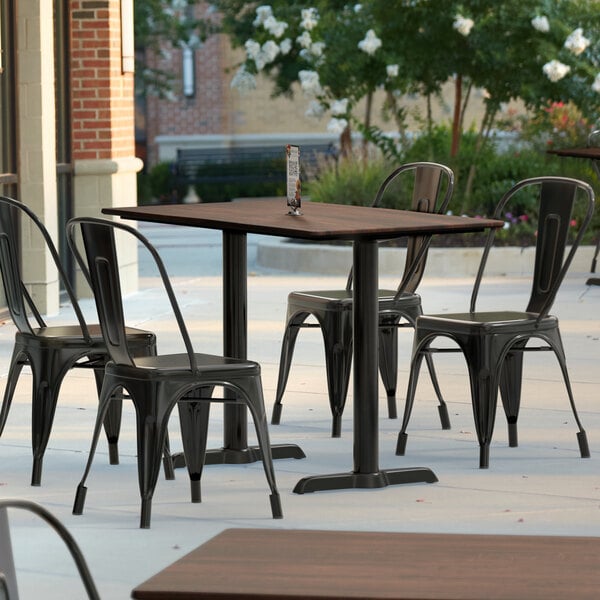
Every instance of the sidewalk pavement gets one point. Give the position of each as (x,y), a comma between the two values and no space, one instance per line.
(542,487)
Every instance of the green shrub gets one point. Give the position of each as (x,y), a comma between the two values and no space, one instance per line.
(354,181)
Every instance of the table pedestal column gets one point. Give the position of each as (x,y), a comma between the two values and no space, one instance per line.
(366,473)
(235,344)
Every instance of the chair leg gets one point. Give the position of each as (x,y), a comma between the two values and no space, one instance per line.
(337,336)
(45,396)
(511,377)
(415,368)
(193,419)
(442,406)
(81,492)
(388,363)
(112,421)
(556,343)
(16,364)
(484,396)
(285,362)
(253,396)
(152,417)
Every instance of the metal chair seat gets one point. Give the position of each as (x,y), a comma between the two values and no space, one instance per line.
(500,322)
(332,309)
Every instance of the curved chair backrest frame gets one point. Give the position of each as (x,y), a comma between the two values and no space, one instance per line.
(20,303)
(557,199)
(67,538)
(102,270)
(428,178)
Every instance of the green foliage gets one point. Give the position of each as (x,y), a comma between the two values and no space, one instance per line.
(355,181)
(349,181)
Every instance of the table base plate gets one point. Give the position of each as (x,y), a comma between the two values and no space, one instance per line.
(229,456)
(340,481)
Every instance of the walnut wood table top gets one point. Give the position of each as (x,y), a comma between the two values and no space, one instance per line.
(275,563)
(319,221)
(592,153)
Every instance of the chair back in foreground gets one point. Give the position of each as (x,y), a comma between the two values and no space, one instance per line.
(50,351)
(432,185)
(8,579)
(493,342)
(156,384)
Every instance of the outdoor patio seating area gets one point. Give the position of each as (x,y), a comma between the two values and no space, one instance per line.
(542,487)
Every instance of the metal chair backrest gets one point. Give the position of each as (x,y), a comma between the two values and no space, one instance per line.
(21,305)
(556,200)
(8,583)
(102,270)
(427,184)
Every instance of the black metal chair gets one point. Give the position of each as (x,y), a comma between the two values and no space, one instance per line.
(493,342)
(50,351)
(156,384)
(397,308)
(8,581)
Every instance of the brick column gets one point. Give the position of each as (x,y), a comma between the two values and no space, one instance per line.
(104,159)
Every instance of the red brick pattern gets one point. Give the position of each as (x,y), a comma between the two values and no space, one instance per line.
(207,112)
(102,96)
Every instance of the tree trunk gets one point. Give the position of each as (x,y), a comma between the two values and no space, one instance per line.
(482,136)
(346,143)
(456,120)
(368,111)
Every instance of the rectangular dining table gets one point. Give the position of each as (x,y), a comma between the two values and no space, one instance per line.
(311,564)
(364,227)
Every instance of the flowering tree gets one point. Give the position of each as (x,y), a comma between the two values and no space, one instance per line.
(534,50)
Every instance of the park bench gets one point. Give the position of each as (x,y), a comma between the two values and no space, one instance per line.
(251,164)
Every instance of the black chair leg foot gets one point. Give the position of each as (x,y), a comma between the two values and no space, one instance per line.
(36,472)
(484,456)
(276,506)
(392,411)
(444,417)
(584,449)
(336,426)
(79,499)
(276,416)
(513,437)
(401,444)
(113,453)
(195,490)
(146,513)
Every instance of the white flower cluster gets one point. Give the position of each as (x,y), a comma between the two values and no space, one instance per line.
(392,71)
(463,25)
(541,23)
(337,126)
(310,18)
(309,82)
(576,42)
(265,17)
(555,70)
(243,81)
(370,44)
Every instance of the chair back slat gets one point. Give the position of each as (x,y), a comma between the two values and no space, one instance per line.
(427,186)
(101,268)
(557,198)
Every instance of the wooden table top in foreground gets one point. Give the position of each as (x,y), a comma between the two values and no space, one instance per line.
(275,563)
(591,152)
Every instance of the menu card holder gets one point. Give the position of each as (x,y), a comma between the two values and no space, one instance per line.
(294,186)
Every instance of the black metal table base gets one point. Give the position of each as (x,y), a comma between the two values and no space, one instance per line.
(343,481)
(228,456)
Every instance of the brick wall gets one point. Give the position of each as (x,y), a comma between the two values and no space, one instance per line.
(102,96)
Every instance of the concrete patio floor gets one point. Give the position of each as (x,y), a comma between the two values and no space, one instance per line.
(542,487)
